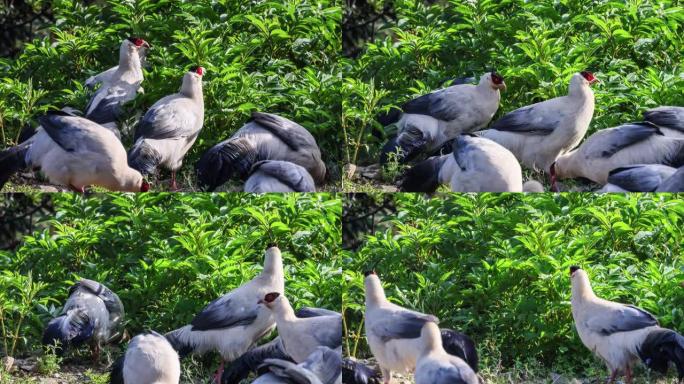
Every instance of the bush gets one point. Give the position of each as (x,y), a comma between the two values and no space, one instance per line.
(495,266)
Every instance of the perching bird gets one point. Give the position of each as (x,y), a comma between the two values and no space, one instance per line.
(279,176)
(637,178)
(233,323)
(252,359)
(393,332)
(621,334)
(669,119)
(149,359)
(537,134)
(475,165)
(74,152)
(169,128)
(119,87)
(301,336)
(436,366)
(322,366)
(264,137)
(427,122)
(611,148)
(92,314)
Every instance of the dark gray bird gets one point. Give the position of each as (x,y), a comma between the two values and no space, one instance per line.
(264,137)
(322,366)
(279,176)
(118,86)
(149,359)
(622,146)
(427,122)
(92,314)
(637,178)
(169,128)
(669,119)
(301,336)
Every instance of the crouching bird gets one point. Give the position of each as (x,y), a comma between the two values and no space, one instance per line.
(622,334)
(149,359)
(436,366)
(92,314)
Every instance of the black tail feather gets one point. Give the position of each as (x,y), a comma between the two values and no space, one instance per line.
(252,359)
(389,117)
(661,347)
(116,373)
(231,158)
(459,344)
(182,348)
(424,176)
(354,372)
(144,158)
(12,160)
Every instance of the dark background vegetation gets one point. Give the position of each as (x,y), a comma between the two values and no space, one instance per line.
(495,266)
(165,255)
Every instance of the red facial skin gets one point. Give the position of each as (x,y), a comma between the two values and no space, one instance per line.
(589,77)
(269,298)
(145,186)
(199,71)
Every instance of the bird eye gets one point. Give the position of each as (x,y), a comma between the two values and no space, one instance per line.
(270,297)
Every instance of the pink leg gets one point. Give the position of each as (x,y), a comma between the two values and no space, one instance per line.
(80,190)
(174,187)
(219,373)
(612,377)
(386,376)
(628,375)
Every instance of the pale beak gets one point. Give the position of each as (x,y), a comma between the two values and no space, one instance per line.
(147,45)
(503,85)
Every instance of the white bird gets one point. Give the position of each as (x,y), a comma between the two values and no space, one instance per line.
(301,336)
(234,322)
(537,134)
(436,366)
(169,128)
(322,366)
(475,165)
(393,332)
(669,119)
(106,75)
(279,176)
(92,314)
(74,152)
(264,137)
(427,122)
(637,178)
(149,359)
(621,334)
(120,86)
(611,148)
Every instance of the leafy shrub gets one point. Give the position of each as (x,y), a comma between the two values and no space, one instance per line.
(634,47)
(275,56)
(168,255)
(496,266)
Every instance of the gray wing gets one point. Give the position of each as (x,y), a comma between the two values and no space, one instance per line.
(111,301)
(622,319)
(314,312)
(529,120)
(174,118)
(669,117)
(451,375)
(108,107)
(68,131)
(224,312)
(674,183)
(294,135)
(325,363)
(294,176)
(402,325)
(328,331)
(435,104)
(625,135)
(288,371)
(463,148)
(640,178)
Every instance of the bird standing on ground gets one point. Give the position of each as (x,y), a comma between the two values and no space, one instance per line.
(427,122)
(149,359)
(233,323)
(264,137)
(301,336)
(74,152)
(621,334)
(537,134)
(436,366)
(119,86)
(393,332)
(169,128)
(92,314)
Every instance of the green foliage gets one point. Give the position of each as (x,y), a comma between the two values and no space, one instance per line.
(495,266)
(275,56)
(634,47)
(168,255)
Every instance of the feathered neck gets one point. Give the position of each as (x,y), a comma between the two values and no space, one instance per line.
(579,87)
(129,59)
(431,338)
(192,87)
(374,293)
(581,287)
(273,262)
(282,309)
